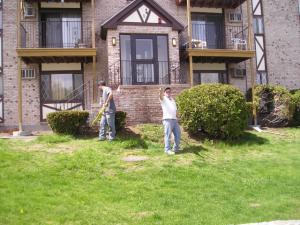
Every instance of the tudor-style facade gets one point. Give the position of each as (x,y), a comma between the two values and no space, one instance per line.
(56,51)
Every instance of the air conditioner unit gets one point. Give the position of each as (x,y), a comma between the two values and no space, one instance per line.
(237,73)
(28,74)
(235,17)
(29,10)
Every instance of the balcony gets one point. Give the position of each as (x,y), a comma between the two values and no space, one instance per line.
(216,43)
(212,3)
(133,72)
(56,41)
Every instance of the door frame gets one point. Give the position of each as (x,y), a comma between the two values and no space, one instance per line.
(136,61)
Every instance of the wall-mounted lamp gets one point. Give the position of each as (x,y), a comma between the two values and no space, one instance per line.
(114,41)
(174,42)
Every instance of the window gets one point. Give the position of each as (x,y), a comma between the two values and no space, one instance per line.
(261,78)
(258,25)
(144,59)
(207,77)
(61,87)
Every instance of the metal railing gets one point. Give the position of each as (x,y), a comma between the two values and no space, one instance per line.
(82,95)
(129,72)
(56,34)
(215,36)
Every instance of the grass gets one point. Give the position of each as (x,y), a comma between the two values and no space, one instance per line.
(67,180)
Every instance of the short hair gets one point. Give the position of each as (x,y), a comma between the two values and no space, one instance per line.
(167,88)
(102,83)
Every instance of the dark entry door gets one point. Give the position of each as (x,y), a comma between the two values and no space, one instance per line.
(144,59)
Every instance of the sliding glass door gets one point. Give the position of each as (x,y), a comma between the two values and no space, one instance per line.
(208,28)
(60,30)
(144,59)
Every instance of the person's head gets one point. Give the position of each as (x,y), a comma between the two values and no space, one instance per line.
(101,84)
(167,92)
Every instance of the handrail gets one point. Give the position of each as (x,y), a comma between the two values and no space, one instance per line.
(56,34)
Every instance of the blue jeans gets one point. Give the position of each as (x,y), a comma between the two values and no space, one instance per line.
(172,126)
(108,119)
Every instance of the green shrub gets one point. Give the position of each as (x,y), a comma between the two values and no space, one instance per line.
(296,101)
(249,108)
(67,122)
(120,120)
(218,110)
(275,107)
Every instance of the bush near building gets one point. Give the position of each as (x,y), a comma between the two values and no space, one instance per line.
(275,107)
(67,122)
(218,110)
(296,101)
(120,120)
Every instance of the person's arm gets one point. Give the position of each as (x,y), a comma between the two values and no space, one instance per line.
(110,97)
(161,94)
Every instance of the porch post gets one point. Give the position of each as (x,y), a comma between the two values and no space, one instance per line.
(252,70)
(188,11)
(94,57)
(20,110)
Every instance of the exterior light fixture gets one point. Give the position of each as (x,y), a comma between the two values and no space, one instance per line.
(114,41)
(174,42)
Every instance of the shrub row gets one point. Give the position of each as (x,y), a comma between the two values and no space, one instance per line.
(71,122)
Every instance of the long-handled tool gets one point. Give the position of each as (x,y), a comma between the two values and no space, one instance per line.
(98,116)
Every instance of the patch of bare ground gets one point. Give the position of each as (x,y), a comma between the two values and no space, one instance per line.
(141,215)
(68,148)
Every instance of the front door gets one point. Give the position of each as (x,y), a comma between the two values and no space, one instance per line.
(144,59)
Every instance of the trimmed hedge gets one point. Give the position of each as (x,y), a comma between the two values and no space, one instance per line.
(296,102)
(120,120)
(67,122)
(218,110)
(275,107)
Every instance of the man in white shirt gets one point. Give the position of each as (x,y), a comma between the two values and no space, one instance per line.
(170,122)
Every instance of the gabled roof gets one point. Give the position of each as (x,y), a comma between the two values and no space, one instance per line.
(117,19)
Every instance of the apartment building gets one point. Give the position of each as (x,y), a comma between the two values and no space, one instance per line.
(55,51)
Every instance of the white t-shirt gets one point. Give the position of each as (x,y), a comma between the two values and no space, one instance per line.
(169,108)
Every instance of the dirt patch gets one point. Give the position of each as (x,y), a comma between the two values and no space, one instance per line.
(135,158)
(141,215)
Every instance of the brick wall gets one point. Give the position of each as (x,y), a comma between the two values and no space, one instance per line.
(282,28)
(141,103)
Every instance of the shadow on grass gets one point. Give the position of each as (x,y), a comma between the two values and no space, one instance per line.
(247,139)
(193,149)
(130,140)
(126,139)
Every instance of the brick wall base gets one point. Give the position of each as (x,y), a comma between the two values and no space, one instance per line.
(141,103)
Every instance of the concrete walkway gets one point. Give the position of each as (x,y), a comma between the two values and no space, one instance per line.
(279,222)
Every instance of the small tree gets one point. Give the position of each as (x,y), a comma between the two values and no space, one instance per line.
(274,105)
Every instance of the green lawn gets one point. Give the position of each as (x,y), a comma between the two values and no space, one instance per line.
(62,180)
